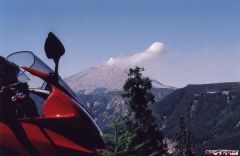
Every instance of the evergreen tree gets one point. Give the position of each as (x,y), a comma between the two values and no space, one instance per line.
(183,147)
(118,139)
(148,139)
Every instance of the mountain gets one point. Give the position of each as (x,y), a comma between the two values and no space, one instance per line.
(211,110)
(101,89)
(95,78)
(105,78)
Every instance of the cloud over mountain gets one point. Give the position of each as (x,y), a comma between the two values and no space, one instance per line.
(153,51)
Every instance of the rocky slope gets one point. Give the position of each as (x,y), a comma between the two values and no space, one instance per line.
(106,105)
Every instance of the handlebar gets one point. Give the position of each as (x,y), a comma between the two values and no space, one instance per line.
(18,96)
(15,91)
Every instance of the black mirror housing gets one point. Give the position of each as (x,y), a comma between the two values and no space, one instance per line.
(54,50)
(53,47)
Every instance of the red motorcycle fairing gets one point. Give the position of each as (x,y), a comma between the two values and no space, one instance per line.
(10,145)
(64,129)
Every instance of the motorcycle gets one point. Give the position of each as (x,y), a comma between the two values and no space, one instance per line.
(63,126)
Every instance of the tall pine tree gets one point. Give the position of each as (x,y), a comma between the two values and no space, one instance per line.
(148,138)
(183,147)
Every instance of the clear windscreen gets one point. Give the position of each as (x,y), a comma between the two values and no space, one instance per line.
(28,59)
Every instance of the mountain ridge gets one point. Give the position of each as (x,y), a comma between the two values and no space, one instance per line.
(107,78)
(211,111)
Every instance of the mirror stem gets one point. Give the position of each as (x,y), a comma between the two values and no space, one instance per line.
(56,67)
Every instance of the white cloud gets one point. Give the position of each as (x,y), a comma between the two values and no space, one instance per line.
(153,51)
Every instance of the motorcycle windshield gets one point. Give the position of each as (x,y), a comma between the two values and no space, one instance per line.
(28,59)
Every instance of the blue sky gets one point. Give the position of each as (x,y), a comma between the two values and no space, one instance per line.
(201,38)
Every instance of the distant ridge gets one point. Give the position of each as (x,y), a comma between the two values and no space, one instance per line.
(212,113)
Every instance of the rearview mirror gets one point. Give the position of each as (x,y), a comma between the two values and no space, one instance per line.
(54,49)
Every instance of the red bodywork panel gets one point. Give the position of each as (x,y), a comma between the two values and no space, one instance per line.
(39,140)
(9,140)
(64,142)
(58,105)
(64,128)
